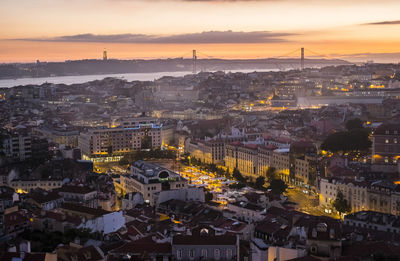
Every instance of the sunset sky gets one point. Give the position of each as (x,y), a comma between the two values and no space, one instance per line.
(57,30)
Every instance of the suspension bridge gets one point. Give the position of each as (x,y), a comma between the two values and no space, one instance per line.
(196,54)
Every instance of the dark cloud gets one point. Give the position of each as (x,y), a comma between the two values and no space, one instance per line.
(384,23)
(204,37)
(206,0)
(377,57)
(229,0)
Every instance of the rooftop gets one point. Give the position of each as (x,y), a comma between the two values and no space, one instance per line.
(44,196)
(97,212)
(374,218)
(204,240)
(80,189)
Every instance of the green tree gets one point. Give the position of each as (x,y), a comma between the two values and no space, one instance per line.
(2,138)
(341,204)
(346,141)
(238,185)
(46,172)
(212,167)
(271,174)
(238,176)
(277,186)
(259,184)
(228,173)
(354,124)
(146,142)
(208,196)
(220,172)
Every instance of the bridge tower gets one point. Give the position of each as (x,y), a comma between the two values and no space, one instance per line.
(194,61)
(105,55)
(302,58)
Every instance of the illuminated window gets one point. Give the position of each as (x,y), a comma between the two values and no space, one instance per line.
(386,159)
(387,141)
(395,140)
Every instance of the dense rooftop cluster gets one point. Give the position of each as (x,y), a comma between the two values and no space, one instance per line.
(288,165)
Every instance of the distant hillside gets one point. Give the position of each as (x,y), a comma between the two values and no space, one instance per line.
(88,67)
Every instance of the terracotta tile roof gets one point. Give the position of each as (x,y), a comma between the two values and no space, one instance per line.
(367,249)
(268,227)
(337,171)
(34,256)
(75,189)
(203,240)
(60,217)
(271,147)
(230,225)
(332,229)
(44,197)
(138,225)
(89,253)
(14,218)
(251,146)
(143,245)
(237,143)
(391,127)
(305,258)
(97,212)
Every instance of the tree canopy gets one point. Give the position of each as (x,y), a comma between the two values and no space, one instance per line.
(341,204)
(353,140)
(238,176)
(259,184)
(152,154)
(271,174)
(354,124)
(208,196)
(277,186)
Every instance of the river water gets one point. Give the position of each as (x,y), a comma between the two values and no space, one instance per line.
(87,78)
(7,83)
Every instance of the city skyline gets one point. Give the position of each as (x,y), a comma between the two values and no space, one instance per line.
(69,30)
(240,130)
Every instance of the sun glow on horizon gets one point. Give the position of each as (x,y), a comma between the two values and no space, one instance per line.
(344,29)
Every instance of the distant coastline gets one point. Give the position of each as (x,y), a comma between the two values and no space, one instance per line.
(99,67)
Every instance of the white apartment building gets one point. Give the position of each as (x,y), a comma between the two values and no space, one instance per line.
(82,195)
(354,191)
(374,220)
(110,144)
(25,186)
(96,219)
(247,160)
(212,151)
(281,162)
(18,146)
(244,157)
(148,179)
(253,160)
